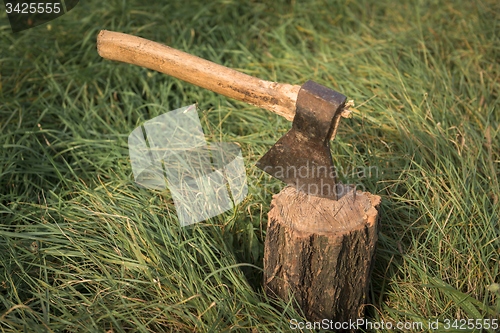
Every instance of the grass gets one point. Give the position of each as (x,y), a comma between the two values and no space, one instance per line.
(82,248)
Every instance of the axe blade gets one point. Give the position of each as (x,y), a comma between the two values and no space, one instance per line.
(302,157)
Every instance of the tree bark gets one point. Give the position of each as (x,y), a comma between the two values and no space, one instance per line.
(321,251)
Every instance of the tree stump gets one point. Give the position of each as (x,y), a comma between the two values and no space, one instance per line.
(321,251)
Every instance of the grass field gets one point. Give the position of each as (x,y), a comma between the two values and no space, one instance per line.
(84,249)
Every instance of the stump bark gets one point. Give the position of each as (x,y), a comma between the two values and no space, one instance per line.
(321,251)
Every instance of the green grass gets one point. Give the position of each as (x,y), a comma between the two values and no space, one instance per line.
(82,248)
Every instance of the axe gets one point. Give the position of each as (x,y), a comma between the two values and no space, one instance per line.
(302,157)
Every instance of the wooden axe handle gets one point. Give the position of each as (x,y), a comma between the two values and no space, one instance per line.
(279,98)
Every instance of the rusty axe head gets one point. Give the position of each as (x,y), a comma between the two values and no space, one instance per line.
(302,157)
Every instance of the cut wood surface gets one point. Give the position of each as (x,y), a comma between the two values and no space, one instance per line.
(321,251)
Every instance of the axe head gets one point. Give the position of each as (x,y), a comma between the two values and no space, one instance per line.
(302,157)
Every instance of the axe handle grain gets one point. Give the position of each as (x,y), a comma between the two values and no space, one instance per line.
(276,97)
